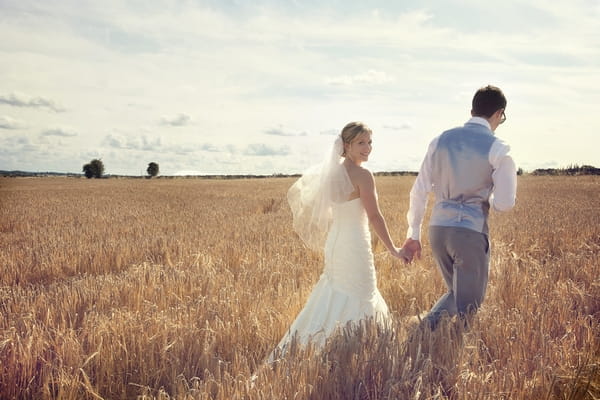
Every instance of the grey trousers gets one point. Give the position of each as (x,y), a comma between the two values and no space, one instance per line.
(462,256)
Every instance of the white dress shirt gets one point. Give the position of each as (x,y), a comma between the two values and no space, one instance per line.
(503,176)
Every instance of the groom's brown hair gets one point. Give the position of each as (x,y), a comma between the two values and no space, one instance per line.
(487,101)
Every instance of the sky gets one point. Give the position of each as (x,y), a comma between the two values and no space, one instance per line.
(263,87)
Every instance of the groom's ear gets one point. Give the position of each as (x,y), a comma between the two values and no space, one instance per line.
(472,113)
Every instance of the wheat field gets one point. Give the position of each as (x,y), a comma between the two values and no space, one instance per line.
(179,288)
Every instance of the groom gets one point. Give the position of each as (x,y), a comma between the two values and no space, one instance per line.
(468,170)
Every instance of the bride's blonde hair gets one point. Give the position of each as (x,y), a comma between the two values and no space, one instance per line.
(351,131)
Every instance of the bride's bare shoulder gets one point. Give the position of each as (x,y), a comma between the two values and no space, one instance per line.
(359,174)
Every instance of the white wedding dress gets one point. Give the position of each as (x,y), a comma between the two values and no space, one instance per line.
(347,289)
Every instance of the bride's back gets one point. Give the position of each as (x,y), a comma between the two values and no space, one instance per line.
(357,175)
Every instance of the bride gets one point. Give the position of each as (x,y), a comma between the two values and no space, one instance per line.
(332,206)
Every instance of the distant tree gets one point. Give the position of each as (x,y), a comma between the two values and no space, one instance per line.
(573,169)
(589,170)
(152,169)
(94,169)
(520,171)
(87,170)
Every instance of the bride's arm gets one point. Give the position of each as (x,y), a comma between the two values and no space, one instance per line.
(368,196)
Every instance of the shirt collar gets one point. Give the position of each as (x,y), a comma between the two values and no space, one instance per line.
(479,121)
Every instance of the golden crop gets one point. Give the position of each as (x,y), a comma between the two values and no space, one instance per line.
(178,288)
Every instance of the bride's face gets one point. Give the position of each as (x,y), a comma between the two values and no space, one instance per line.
(359,149)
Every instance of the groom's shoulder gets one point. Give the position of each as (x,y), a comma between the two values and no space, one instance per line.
(448,134)
(466,130)
(451,131)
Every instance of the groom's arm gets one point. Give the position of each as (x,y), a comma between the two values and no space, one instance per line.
(418,204)
(504,177)
(418,195)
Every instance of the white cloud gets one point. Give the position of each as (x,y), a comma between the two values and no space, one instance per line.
(402,127)
(211,148)
(17,145)
(371,77)
(281,131)
(21,100)
(330,132)
(62,132)
(10,123)
(141,143)
(177,120)
(261,149)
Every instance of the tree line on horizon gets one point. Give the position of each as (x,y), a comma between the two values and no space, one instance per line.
(569,170)
(95,169)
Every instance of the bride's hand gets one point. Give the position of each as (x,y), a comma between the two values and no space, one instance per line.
(412,247)
(402,254)
(406,255)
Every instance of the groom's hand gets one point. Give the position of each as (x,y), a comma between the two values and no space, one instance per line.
(414,247)
(405,255)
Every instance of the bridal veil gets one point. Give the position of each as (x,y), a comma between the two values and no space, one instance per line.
(313,196)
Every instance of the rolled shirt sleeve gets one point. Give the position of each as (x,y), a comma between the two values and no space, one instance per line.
(419,195)
(504,176)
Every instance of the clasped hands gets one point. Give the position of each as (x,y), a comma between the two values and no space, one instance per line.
(410,250)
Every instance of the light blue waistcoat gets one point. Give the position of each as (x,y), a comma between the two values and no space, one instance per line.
(462,178)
